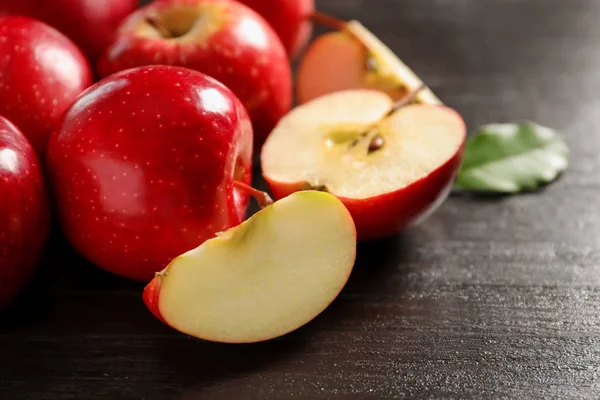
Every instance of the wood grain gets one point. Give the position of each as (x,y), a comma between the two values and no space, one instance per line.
(495,297)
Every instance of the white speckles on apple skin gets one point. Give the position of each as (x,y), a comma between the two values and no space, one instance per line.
(36,79)
(171,203)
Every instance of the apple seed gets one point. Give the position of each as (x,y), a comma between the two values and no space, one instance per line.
(376,143)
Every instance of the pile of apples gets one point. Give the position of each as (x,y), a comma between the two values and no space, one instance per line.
(137,127)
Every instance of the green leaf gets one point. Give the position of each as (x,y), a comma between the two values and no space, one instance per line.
(509,158)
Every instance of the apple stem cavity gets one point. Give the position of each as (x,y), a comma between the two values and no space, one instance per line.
(155,22)
(328,21)
(262,198)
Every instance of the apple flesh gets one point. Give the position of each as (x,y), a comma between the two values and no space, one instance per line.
(41,74)
(143,165)
(354,58)
(390,166)
(24,211)
(91,24)
(221,38)
(268,276)
(289,18)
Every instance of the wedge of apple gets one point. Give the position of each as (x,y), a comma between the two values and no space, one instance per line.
(391,165)
(262,279)
(354,58)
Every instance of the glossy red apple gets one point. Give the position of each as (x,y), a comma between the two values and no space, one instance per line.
(221,38)
(391,165)
(143,167)
(24,211)
(41,74)
(289,18)
(91,24)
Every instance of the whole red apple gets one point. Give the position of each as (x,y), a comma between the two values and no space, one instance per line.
(143,166)
(41,74)
(91,24)
(289,18)
(24,211)
(221,38)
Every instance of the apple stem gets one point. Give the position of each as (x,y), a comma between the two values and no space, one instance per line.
(155,22)
(406,100)
(262,198)
(328,21)
(376,141)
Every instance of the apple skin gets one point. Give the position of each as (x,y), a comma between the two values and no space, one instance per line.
(91,24)
(151,295)
(243,52)
(143,164)
(289,18)
(24,211)
(41,74)
(387,214)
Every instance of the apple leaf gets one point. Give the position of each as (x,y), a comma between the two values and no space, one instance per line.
(510,158)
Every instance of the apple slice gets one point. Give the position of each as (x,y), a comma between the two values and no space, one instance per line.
(390,165)
(354,58)
(263,278)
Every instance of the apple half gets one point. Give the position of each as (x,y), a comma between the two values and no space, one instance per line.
(354,58)
(391,166)
(264,278)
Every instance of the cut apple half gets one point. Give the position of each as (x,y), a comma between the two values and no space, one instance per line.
(389,165)
(264,278)
(354,58)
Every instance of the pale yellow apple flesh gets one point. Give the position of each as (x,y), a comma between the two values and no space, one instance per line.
(347,143)
(266,277)
(354,58)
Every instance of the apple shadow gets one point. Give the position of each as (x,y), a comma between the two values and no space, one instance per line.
(61,269)
(481,196)
(376,259)
(194,364)
(33,300)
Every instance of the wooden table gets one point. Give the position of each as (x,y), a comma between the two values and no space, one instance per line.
(490,298)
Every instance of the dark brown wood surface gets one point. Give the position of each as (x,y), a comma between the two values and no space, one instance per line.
(489,298)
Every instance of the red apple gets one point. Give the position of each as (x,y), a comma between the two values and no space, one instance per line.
(24,211)
(41,74)
(289,18)
(390,165)
(91,24)
(143,167)
(221,38)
